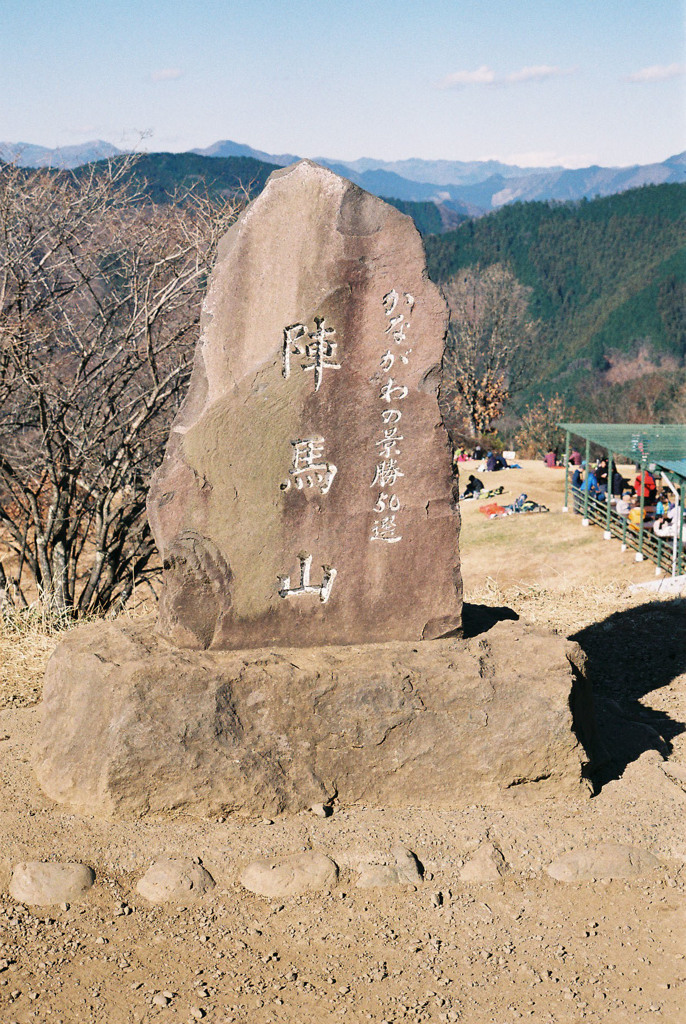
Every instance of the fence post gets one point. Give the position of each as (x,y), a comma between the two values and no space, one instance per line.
(679,525)
(584,521)
(608,495)
(639,553)
(566,507)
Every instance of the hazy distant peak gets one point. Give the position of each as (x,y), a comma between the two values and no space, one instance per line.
(227,148)
(25,154)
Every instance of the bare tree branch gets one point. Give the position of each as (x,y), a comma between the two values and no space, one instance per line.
(100,294)
(489,340)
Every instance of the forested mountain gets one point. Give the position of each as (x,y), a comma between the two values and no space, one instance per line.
(606,279)
(478,186)
(469,188)
(162,175)
(607,285)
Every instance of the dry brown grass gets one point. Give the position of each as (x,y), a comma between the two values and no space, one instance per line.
(547,567)
(26,642)
(27,639)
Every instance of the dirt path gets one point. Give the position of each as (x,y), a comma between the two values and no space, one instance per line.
(524,947)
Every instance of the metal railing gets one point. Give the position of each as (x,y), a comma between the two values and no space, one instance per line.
(663,551)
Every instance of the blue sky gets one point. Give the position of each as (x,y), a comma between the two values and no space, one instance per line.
(537,82)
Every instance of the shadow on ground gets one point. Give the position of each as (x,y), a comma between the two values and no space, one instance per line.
(630,654)
(479,618)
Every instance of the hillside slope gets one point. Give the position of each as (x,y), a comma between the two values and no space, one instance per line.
(607,280)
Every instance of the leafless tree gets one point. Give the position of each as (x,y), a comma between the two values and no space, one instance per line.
(538,431)
(489,340)
(100,295)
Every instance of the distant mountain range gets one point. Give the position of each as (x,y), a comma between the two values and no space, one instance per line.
(477,187)
(468,188)
(24,154)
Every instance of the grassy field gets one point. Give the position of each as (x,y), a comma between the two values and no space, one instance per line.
(546,566)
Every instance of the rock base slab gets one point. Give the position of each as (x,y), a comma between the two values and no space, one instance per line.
(131,724)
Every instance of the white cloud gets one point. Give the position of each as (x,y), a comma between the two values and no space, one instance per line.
(657,73)
(535,74)
(457,79)
(166,74)
(487,76)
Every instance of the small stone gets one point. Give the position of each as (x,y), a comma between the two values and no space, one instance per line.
(321,810)
(405,871)
(486,864)
(161,999)
(42,883)
(197,1012)
(602,862)
(303,872)
(174,881)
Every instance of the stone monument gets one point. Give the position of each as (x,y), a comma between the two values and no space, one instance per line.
(306,648)
(306,496)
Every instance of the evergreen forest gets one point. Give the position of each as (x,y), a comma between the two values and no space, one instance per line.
(606,280)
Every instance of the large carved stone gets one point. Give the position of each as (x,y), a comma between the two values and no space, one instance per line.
(131,724)
(306,496)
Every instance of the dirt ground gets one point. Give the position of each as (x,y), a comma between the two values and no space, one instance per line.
(524,947)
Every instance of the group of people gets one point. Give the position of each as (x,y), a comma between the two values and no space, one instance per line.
(660,510)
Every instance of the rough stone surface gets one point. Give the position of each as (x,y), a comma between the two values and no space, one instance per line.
(297,445)
(44,883)
(487,864)
(607,860)
(303,872)
(174,880)
(130,724)
(403,870)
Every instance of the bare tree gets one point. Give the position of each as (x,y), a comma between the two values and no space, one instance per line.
(100,295)
(489,338)
(538,430)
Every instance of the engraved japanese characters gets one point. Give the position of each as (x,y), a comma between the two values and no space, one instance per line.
(310,453)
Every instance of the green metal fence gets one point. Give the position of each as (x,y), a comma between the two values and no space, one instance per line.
(663,551)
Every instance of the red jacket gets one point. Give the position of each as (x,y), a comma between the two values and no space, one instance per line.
(647,487)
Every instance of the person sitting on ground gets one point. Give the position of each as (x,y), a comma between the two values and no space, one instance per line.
(634,517)
(619,483)
(590,484)
(575,458)
(550,459)
(577,481)
(623,504)
(668,524)
(663,503)
(473,489)
(478,452)
(601,474)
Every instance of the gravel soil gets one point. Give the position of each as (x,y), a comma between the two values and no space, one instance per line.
(522,947)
